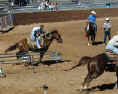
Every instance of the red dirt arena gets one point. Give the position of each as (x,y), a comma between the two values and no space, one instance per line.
(21,80)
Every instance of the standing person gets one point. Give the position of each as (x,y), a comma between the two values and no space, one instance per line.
(36,32)
(107,29)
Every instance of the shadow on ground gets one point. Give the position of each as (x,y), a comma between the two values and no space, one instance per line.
(50,62)
(97,43)
(6,31)
(102,87)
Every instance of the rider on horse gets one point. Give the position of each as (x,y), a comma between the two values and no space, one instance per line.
(91,27)
(36,33)
(113,45)
(92,19)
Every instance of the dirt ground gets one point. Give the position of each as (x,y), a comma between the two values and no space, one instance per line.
(21,80)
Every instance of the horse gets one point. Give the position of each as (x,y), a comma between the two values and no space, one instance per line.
(25,46)
(90,32)
(96,66)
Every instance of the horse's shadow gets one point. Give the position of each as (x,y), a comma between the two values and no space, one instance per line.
(51,62)
(102,87)
(97,43)
(6,31)
(106,86)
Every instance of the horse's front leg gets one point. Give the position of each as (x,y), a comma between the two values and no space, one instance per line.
(88,40)
(86,82)
(116,84)
(40,59)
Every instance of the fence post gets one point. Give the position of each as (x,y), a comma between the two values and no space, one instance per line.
(1,72)
(45,87)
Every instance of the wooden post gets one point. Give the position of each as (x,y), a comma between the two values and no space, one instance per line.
(45,87)
(1,72)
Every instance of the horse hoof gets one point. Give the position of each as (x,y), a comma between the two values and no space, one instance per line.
(88,44)
(81,90)
(116,86)
(35,64)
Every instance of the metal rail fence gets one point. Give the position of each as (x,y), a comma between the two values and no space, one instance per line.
(6,22)
(65,4)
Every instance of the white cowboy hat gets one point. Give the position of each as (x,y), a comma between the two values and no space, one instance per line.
(93,12)
(107,19)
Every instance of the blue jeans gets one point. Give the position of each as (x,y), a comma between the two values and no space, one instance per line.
(112,48)
(107,34)
(95,26)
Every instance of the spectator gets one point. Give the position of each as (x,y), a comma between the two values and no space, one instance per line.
(55,6)
(51,6)
(107,29)
(44,5)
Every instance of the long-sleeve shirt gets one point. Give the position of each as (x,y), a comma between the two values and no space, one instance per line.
(113,41)
(92,18)
(107,26)
(35,31)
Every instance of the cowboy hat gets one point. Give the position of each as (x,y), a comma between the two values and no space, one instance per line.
(107,19)
(93,12)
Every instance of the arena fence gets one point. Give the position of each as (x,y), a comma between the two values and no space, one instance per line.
(6,22)
(26,59)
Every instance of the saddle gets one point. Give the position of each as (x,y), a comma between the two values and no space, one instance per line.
(112,55)
(32,42)
(90,25)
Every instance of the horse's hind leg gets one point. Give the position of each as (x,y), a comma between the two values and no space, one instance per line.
(116,85)
(93,38)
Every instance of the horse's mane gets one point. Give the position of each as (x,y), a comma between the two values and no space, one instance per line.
(54,31)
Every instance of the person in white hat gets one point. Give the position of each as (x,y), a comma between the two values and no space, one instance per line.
(93,12)
(92,17)
(107,29)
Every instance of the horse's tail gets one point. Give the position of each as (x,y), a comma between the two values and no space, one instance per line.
(11,48)
(84,60)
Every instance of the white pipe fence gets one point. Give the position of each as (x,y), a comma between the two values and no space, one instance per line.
(6,22)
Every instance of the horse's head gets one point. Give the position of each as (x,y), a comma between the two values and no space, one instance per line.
(55,35)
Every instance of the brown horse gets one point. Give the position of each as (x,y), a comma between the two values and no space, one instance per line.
(90,32)
(24,45)
(96,66)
